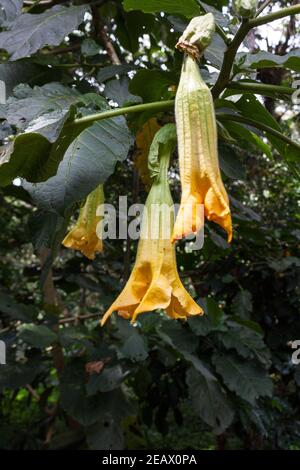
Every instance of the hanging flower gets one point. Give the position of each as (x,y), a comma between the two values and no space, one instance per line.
(84,235)
(197,139)
(154,282)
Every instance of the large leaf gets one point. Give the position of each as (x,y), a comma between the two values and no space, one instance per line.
(9,10)
(246,379)
(117,90)
(264,59)
(242,303)
(13,73)
(106,73)
(108,379)
(23,157)
(39,336)
(134,346)
(17,375)
(250,107)
(15,310)
(88,162)
(187,8)
(248,343)
(87,410)
(152,85)
(178,337)
(230,164)
(209,401)
(28,32)
(28,105)
(105,434)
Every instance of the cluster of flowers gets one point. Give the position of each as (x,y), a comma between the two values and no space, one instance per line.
(154,282)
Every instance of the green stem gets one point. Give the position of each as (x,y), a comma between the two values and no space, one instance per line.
(229,56)
(156,106)
(242,32)
(264,5)
(261,88)
(258,125)
(276,15)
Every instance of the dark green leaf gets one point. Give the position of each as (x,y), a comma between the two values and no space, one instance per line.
(9,10)
(18,375)
(15,310)
(264,59)
(28,32)
(108,379)
(105,434)
(152,85)
(106,73)
(242,304)
(178,337)
(39,336)
(209,401)
(88,162)
(117,90)
(89,47)
(187,8)
(231,166)
(247,379)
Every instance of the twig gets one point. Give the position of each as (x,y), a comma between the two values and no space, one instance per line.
(230,53)
(78,317)
(262,7)
(101,34)
(33,392)
(63,50)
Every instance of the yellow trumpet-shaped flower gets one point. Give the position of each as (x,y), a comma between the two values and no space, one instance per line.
(154,282)
(83,236)
(197,147)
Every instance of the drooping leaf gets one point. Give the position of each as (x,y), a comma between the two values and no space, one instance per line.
(247,342)
(250,107)
(17,375)
(89,47)
(229,163)
(178,337)
(9,10)
(105,434)
(246,379)
(108,379)
(15,310)
(23,157)
(30,104)
(39,336)
(242,304)
(30,32)
(23,71)
(117,90)
(106,73)
(215,51)
(152,85)
(188,8)
(134,346)
(88,162)
(264,59)
(209,401)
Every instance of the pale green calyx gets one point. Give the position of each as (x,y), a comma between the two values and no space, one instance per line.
(245,8)
(197,36)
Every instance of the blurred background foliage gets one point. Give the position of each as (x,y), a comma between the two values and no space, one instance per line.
(223,381)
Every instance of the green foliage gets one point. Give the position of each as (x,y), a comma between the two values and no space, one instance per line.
(159,383)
